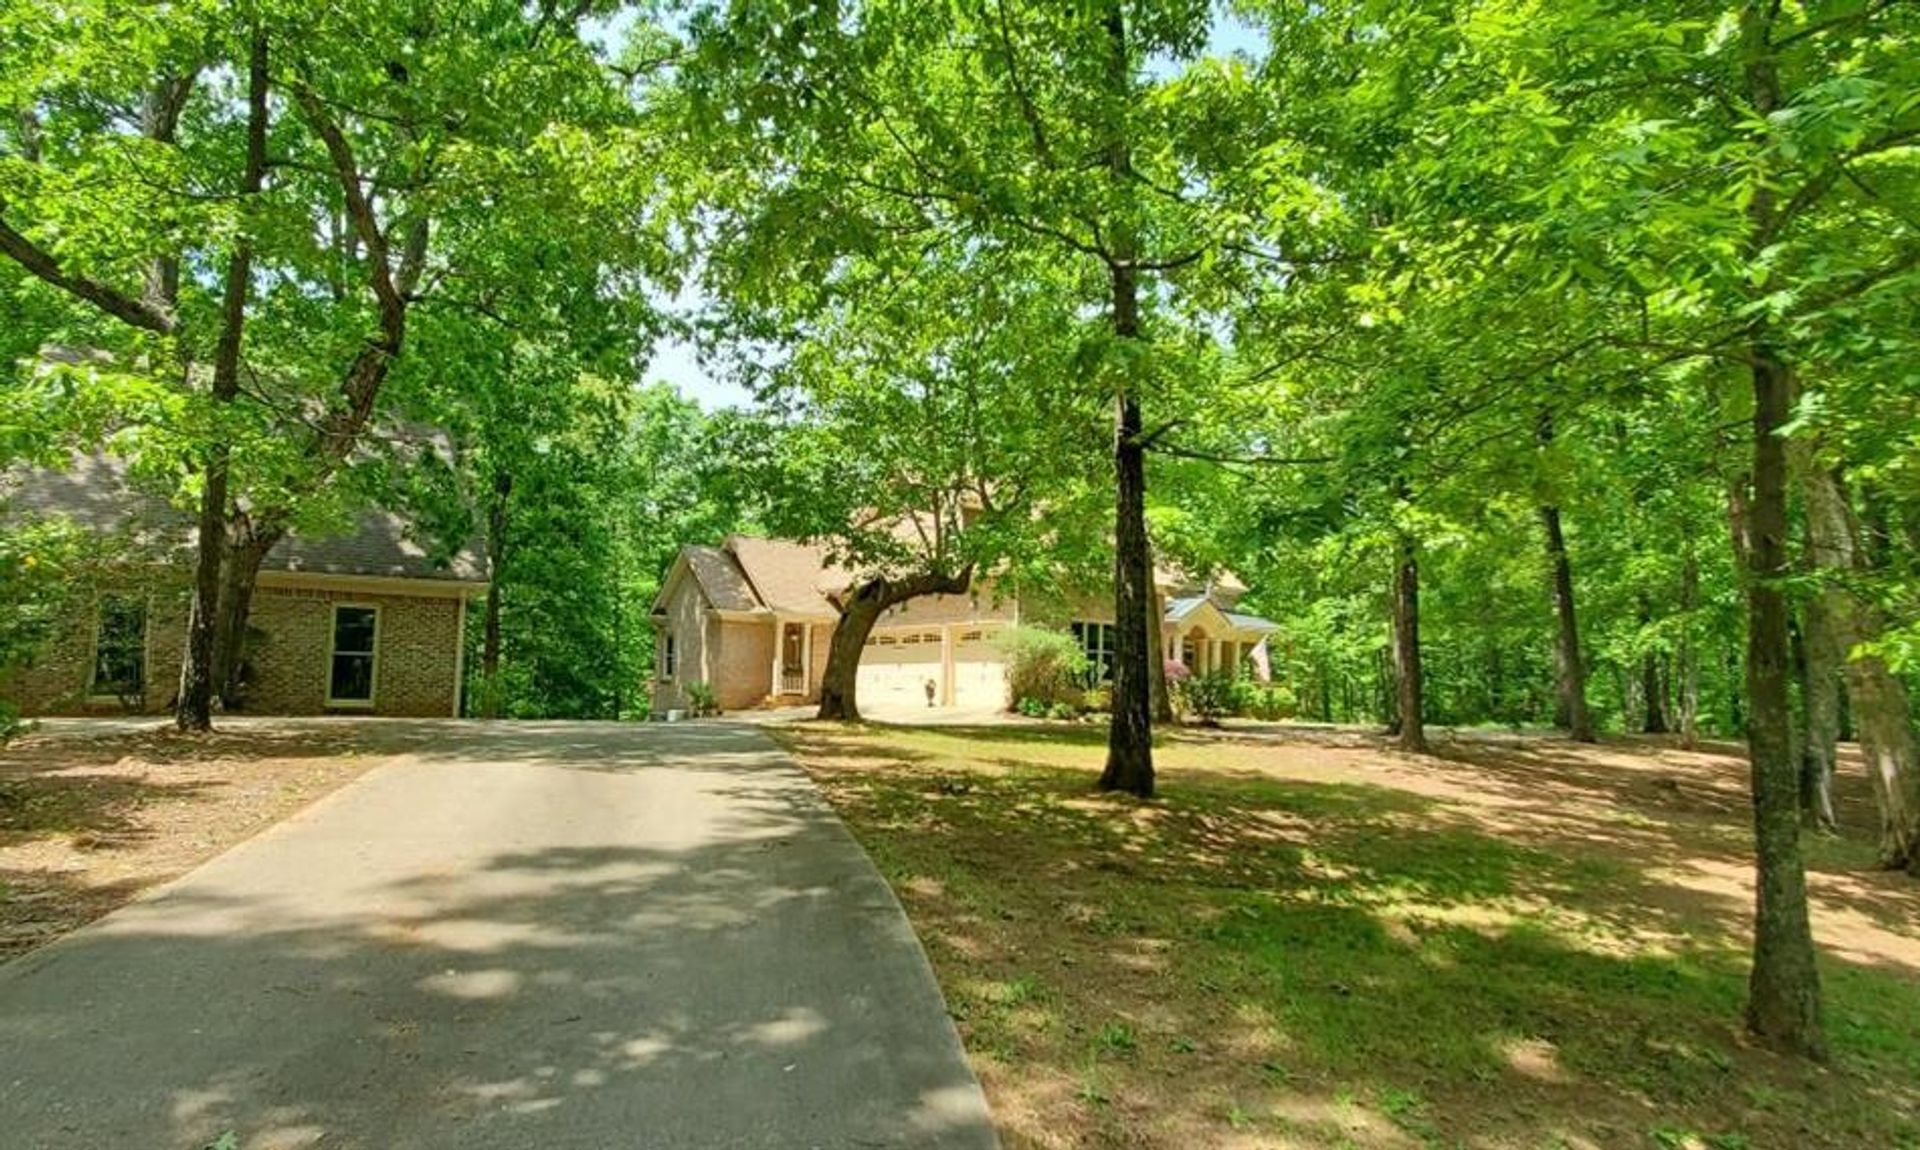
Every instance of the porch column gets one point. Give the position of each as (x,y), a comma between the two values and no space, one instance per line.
(946,665)
(806,659)
(779,645)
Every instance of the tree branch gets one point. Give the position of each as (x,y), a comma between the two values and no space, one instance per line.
(115,303)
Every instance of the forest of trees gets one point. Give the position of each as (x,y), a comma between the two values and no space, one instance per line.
(1541,365)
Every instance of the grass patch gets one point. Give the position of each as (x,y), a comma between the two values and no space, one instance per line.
(1336,946)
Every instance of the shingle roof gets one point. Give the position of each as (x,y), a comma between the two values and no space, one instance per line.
(1178,609)
(93,492)
(791,578)
(721,579)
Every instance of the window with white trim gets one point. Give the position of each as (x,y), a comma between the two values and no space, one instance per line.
(354,659)
(120,647)
(1097,640)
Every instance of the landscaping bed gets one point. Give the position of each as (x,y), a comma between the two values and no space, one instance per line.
(93,814)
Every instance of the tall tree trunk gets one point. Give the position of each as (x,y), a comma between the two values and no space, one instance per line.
(499,501)
(1570,673)
(1783,1005)
(1130,734)
(1881,709)
(1409,684)
(861,610)
(1652,695)
(199,673)
(490,699)
(1689,656)
(1157,660)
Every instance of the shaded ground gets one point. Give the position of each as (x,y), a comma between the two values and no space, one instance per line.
(92,814)
(1311,940)
(511,935)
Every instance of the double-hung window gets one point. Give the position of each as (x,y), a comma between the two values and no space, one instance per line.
(354,661)
(669,657)
(1096,639)
(120,647)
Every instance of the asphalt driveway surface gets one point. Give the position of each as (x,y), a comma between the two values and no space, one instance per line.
(514,935)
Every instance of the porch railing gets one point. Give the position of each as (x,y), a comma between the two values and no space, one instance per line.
(793,682)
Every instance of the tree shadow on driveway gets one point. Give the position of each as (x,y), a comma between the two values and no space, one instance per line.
(594,939)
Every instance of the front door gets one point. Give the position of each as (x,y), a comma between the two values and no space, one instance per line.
(793,667)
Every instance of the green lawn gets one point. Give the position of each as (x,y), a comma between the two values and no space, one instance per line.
(1311,943)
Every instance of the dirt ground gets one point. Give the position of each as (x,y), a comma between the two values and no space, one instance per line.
(89,818)
(1310,939)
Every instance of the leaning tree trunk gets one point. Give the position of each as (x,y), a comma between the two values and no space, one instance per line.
(1570,673)
(247,548)
(839,685)
(1408,679)
(199,664)
(1881,709)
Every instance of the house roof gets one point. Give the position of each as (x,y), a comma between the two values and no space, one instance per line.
(1180,610)
(790,578)
(1250,622)
(93,492)
(720,578)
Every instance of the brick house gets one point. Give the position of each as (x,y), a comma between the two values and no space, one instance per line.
(753,618)
(361,623)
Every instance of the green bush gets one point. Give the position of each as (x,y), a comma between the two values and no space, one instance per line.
(701,700)
(1269,701)
(1098,699)
(1042,665)
(1031,707)
(1206,697)
(1062,711)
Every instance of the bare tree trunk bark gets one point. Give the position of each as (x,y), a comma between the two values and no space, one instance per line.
(1881,708)
(199,672)
(247,548)
(1409,682)
(1157,660)
(1130,734)
(1783,1004)
(490,699)
(498,503)
(1689,655)
(1570,673)
(839,686)
(1654,712)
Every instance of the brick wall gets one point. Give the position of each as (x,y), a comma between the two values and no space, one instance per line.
(686,621)
(742,663)
(414,669)
(414,656)
(59,679)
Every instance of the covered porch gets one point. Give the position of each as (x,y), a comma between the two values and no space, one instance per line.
(1207,640)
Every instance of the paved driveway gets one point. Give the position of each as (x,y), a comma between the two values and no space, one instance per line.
(548,935)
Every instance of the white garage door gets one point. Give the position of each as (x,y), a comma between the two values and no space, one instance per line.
(895,666)
(979,670)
